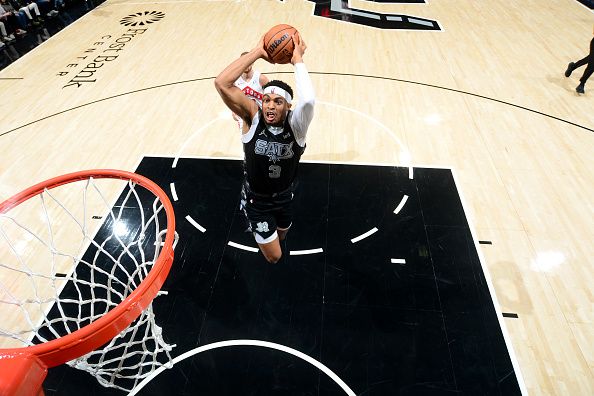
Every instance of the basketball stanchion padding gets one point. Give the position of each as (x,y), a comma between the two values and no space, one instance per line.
(86,302)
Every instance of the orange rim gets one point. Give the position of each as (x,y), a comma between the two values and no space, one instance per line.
(80,342)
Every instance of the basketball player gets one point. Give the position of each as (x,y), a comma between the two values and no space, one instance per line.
(589,61)
(250,82)
(273,140)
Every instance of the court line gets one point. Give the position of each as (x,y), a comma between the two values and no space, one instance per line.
(243,247)
(195,223)
(583,5)
(309,251)
(374,120)
(498,310)
(313,73)
(365,235)
(103,100)
(452,90)
(401,204)
(173,192)
(196,133)
(257,343)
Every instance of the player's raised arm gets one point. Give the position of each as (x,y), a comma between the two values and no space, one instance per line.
(235,100)
(304,112)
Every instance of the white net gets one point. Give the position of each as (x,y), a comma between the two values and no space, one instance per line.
(71,254)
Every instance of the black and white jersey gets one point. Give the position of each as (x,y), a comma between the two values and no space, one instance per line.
(272,154)
(271,160)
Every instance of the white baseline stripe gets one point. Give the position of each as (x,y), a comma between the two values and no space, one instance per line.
(362,236)
(401,204)
(173,192)
(195,224)
(398,261)
(300,252)
(257,343)
(243,247)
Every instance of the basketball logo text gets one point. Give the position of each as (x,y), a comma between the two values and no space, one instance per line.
(277,42)
(273,150)
(106,50)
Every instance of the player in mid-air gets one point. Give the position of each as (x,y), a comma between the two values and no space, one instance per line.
(273,138)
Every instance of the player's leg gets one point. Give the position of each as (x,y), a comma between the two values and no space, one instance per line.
(262,224)
(589,69)
(281,221)
(271,251)
(585,61)
(282,232)
(588,72)
(574,65)
(284,214)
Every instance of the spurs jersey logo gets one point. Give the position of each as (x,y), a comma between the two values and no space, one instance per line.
(262,227)
(273,150)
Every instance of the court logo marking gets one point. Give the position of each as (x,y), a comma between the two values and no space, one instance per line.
(84,70)
(142,18)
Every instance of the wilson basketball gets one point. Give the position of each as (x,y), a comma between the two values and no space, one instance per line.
(278,43)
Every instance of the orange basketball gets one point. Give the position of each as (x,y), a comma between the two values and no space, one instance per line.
(278,43)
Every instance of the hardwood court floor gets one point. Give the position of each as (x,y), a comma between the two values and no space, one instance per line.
(485,96)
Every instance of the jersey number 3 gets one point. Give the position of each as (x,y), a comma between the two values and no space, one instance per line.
(275,171)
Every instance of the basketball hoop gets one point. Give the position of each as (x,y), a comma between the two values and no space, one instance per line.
(89,300)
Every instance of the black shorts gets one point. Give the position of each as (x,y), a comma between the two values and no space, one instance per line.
(266,214)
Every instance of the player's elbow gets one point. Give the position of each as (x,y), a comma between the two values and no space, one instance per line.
(309,104)
(222,83)
(218,83)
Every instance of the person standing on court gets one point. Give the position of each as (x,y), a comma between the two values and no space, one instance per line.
(273,138)
(589,61)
